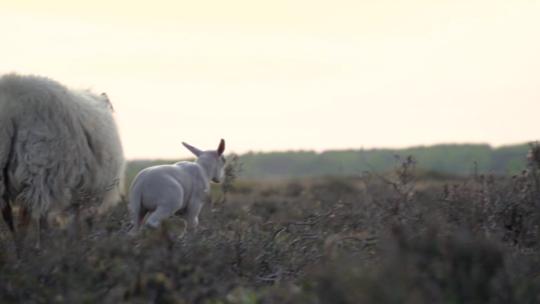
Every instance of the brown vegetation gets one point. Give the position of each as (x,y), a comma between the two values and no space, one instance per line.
(393,238)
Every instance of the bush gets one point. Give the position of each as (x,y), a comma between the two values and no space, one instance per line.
(377,238)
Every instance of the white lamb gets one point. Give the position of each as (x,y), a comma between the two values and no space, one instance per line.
(179,188)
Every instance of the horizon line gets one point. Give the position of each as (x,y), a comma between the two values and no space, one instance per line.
(491,146)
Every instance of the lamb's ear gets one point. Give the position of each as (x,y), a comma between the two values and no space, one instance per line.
(221,147)
(191,148)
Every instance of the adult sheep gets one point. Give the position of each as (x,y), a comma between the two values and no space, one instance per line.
(59,149)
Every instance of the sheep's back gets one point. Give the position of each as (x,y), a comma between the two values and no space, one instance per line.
(64,145)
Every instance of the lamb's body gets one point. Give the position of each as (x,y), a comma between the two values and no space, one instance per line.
(179,188)
(57,147)
(168,189)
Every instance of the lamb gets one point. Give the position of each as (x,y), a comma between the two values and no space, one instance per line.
(59,149)
(180,188)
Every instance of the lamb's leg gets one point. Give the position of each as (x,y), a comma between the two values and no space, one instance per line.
(193,213)
(136,209)
(170,200)
(158,215)
(137,219)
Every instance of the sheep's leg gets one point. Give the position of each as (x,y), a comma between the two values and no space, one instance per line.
(76,224)
(38,233)
(5,206)
(6,137)
(42,225)
(22,229)
(7,215)
(24,216)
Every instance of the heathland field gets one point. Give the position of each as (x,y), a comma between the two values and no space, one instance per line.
(451,159)
(399,235)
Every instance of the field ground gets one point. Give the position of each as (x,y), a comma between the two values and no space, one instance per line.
(392,238)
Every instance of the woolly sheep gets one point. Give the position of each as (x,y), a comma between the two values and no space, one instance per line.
(59,148)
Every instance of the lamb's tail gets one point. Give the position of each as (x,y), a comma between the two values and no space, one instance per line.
(136,210)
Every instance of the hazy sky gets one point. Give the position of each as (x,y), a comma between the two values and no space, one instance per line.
(285,74)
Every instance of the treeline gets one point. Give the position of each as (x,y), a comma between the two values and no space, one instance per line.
(451,159)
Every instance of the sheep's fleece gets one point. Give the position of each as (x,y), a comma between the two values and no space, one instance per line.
(58,147)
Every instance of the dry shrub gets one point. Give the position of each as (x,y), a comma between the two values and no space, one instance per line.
(369,239)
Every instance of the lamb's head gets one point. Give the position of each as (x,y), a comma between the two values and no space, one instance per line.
(212,161)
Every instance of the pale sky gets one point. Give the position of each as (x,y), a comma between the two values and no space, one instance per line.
(288,75)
